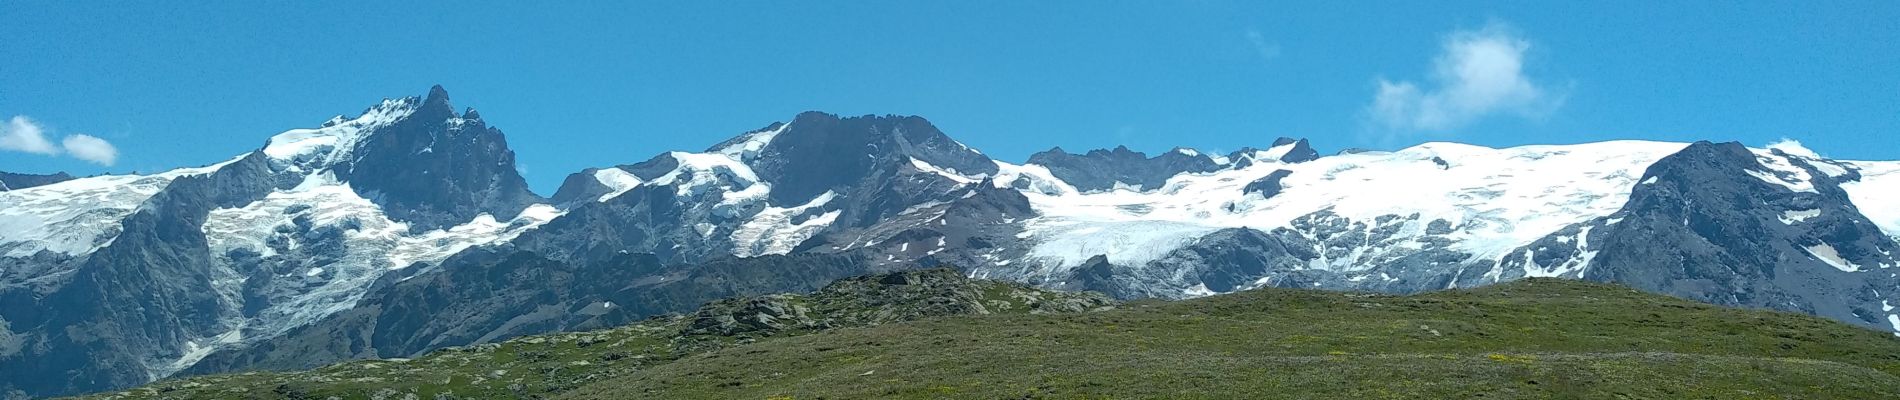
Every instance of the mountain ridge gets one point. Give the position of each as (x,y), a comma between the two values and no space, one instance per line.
(936,333)
(333,240)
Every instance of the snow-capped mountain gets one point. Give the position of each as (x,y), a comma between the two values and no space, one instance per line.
(406,229)
(160,270)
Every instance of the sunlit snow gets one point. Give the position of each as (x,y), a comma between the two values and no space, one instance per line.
(1781,171)
(372,244)
(1496,199)
(1877,193)
(78,216)
(617,181)
(1827,254)
(1792,217)
(772,231)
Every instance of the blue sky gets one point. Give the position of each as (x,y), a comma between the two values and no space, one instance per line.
(602,83)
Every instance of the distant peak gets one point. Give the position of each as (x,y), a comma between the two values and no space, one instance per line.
(811,116)
(1300,150)
(437,93)
(437,104)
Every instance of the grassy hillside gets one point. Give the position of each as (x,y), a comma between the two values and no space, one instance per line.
(1537,338)
(543,365)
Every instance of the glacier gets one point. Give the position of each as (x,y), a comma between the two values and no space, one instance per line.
(1496,200)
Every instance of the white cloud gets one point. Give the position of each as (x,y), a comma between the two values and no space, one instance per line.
(22,134)
(91,149)
(1477,73)
(1268,50)
(1794,147)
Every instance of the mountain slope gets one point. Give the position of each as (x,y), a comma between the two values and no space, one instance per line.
(1536,338)
(406,229)
(1763,228)
(641,236)
(117,280)
(542,365)
(963,338)
(1403,221)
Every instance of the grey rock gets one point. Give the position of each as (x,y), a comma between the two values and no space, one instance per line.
(17,181)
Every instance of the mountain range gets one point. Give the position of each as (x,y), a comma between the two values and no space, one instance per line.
(407,228)
(936,334)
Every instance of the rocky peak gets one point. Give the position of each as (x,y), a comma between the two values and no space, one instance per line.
(1750,228)
(434,169)
(819,152)
(1103,169)
(1284,149)
(592,183)
(1302,151)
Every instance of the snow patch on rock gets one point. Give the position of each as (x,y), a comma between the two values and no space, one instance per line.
(1792,217)
(617,181)
(298,149)
(773,230)
(1832,258)
(1782,172)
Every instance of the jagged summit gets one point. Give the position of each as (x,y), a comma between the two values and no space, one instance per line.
(195,260)
(1121,167)
(806,158)
(437,94)
(416,157)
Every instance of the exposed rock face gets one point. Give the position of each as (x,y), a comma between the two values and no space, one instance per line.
(330,244)
(1321,250)
(489,295)
(759,314)
(820,152)
(131,302)
(1103,169)
(1302,151)
(1722,224)
(588,185)
(436,169)
(974,224)
(743,196)
(881,299)
(162,287)
(1718,223)
(546,365)
(13,181)
(1267,186)
(1107,169)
